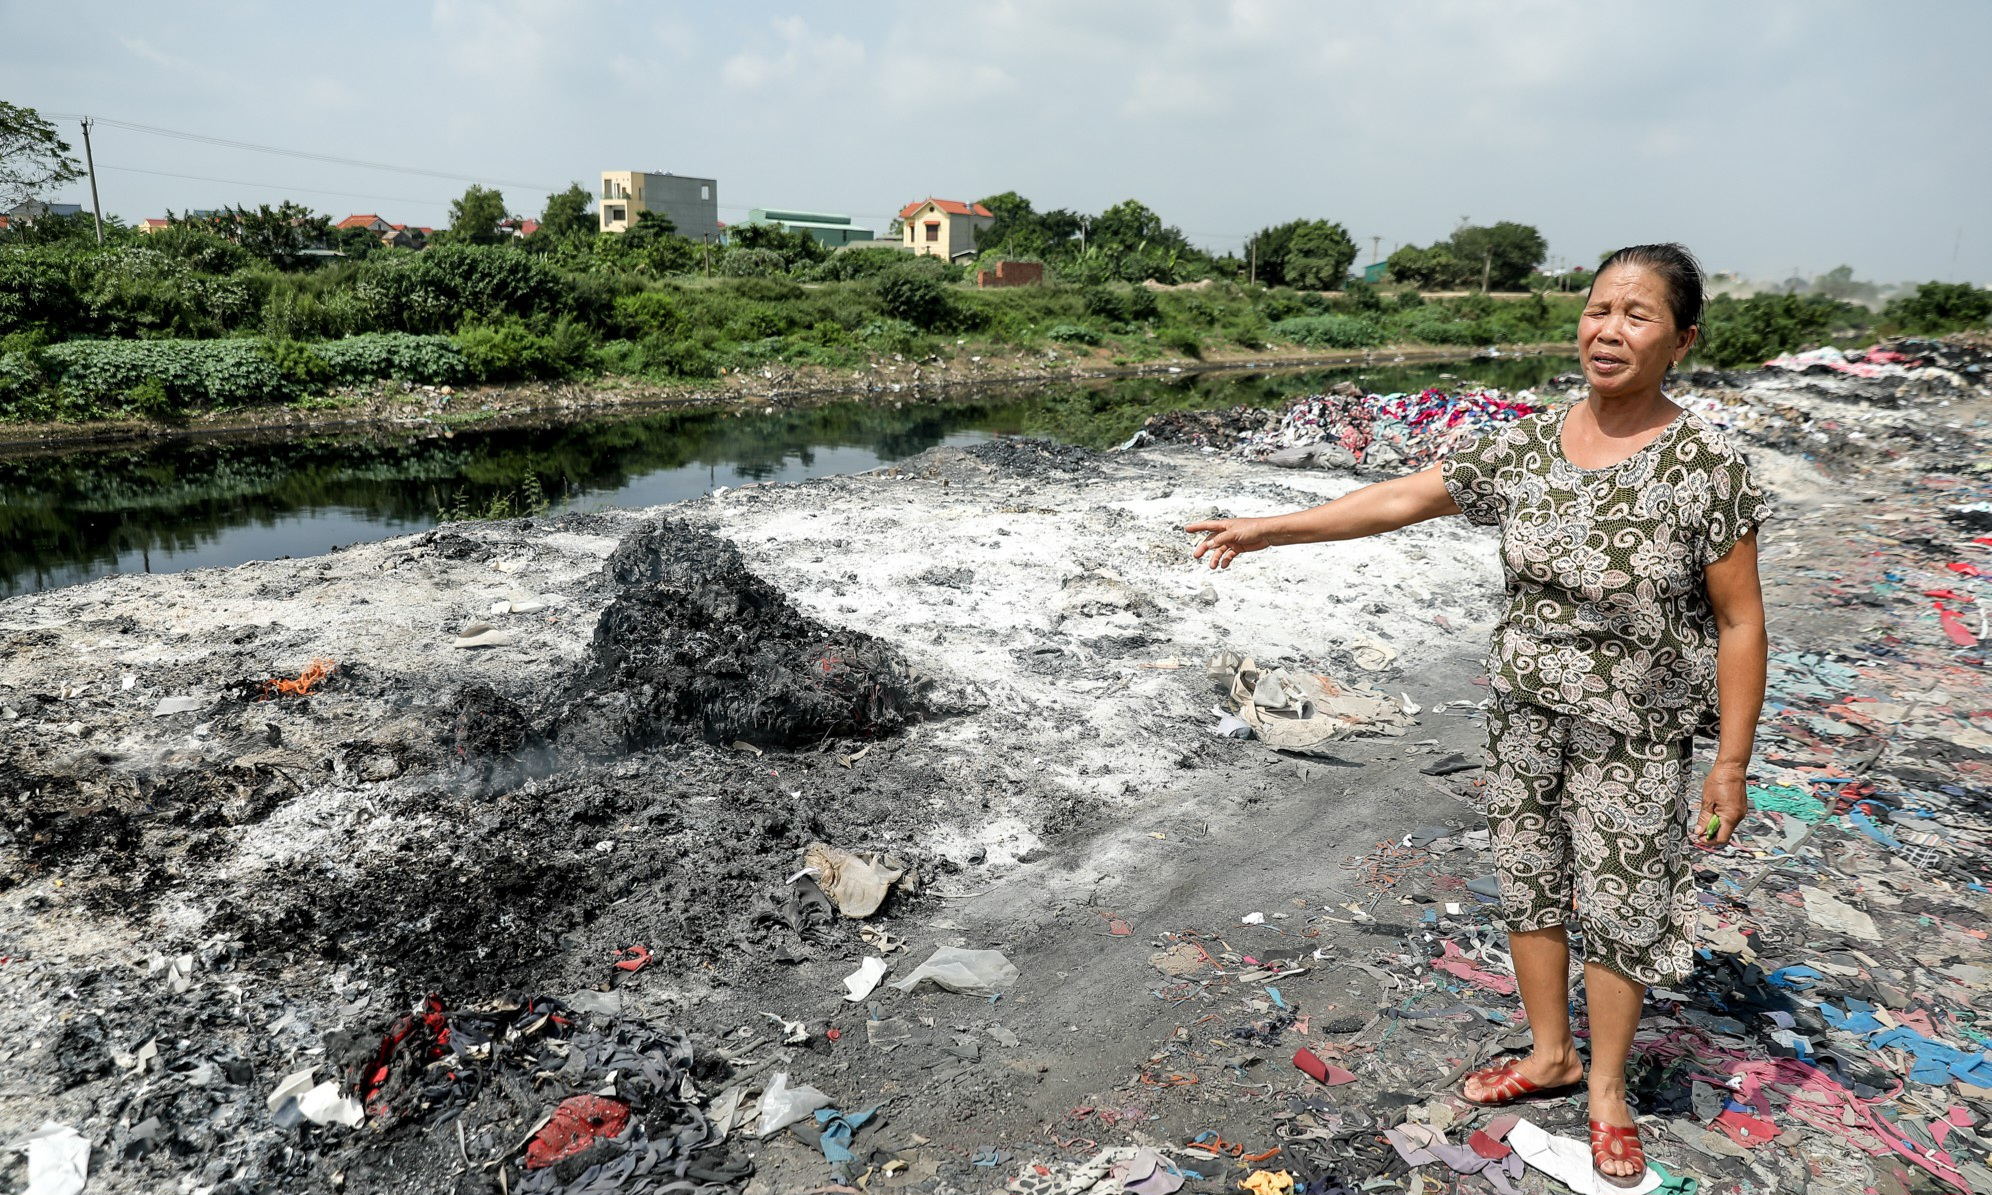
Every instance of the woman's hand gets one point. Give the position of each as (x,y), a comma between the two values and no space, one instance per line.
(1226,538)
(1725,797)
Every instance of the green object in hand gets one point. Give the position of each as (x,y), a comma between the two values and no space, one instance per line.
(1714,824)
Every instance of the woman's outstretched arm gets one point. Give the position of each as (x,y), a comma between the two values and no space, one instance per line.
(1371,510)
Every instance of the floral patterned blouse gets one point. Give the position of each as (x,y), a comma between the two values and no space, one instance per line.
(1608,614)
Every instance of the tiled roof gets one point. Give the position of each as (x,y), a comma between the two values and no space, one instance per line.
(359,221)
(950,206)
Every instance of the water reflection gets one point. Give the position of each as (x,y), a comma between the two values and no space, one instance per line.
(217,502)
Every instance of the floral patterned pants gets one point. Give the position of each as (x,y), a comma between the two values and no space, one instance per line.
(1570,802)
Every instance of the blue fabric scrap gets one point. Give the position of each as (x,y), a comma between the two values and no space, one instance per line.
(838,1130)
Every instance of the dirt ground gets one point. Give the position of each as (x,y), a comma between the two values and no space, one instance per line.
(986,664)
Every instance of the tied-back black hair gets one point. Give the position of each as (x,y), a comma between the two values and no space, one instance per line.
(1675,265)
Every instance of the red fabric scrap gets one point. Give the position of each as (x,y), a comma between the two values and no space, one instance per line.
(1456,964)
(1487,1147)
(1750,1132)
(1965,567)
(1958,632)
(638,955)
(577,1123)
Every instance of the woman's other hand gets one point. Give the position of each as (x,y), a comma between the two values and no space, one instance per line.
(1226,538)
(1726,798)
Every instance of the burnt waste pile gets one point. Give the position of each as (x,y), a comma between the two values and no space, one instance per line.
(504,967)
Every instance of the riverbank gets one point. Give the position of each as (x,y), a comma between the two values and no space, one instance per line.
(212,882)
(950,375)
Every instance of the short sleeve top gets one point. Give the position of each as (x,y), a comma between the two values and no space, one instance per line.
(1608,615)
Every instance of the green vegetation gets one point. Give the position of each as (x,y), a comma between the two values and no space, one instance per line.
(1498,257)
(259,306)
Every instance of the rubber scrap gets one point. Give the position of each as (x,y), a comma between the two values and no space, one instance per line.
(1457,964)
(1321,1072)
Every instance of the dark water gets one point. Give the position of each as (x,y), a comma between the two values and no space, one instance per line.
(200,503)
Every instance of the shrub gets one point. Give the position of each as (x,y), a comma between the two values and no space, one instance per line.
(104,377)
(38,290)
(915,296)
(298,364)
(429,360)
(1330,331)
(443,287)
(765,289)
(1409,300)
(512,352)
(1122,305)
(662,356)
(1181,341)
(1940,307)
(1072,334)
(1753,330)
(888,335)
(851,265)
(738,262)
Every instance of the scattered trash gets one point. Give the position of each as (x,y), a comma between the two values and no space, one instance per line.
(839,1128)
(859,984)
(481,634)
(782,1105)
(1304,712)
(58,1160)
(632,958)
(856,884)
(169,706)
(578,1122)
(1568,1161)
(972,972)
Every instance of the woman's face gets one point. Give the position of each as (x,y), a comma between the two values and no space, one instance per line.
(1626,337)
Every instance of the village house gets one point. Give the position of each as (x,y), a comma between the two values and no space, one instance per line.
(691,204)
(943,228)
(366,220)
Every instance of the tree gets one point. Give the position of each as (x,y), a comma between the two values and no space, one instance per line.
(32,158)
(567,215)
(1939,307)
(474,219)
(1502,254)
(1434,268)
(1309,254)
(795,248)
(278,235)
(1022,231)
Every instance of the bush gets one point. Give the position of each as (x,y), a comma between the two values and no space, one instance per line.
(298,364)
(645,312)
(1753,330)
(852,265)
(1181,341)
(443,287)
(38,290)
(1330,331)
(1940,307)
(915,296)
(106,377)
(427,360)
(1122,305)
(1072,334)
(738,262)
(662,356)
(888,335)
(764,289)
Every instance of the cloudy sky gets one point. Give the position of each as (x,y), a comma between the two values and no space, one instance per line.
(1770,135)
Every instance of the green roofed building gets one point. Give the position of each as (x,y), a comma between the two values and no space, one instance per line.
(828,228)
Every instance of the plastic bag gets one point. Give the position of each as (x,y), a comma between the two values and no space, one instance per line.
(782,1105)
(976,972)
(856,884)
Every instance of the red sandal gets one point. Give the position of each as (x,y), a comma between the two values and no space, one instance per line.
(1617,1143)
(1510,1086)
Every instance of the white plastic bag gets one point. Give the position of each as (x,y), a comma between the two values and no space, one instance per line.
(782,1105)
(976,972)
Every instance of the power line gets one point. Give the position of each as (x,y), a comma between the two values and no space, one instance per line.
(237,182)
(227,143)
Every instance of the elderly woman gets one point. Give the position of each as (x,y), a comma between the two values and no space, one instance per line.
(1628,539)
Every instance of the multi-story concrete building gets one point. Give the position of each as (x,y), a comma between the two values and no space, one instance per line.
(691,204)
(828,228)
(943,227)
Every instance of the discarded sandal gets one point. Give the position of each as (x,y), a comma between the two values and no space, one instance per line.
(1510,1086)
(1617,1143)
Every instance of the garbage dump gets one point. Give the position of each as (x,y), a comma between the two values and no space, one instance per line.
(545,915)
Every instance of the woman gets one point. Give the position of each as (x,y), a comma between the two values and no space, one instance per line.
(1628,540)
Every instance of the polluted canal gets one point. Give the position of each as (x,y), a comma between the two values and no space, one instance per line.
(207,502)
(892,832)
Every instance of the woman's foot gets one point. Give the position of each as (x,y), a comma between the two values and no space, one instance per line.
(1615,1146)
(1540,1071)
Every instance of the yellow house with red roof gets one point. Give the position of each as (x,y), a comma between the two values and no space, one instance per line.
(943,228)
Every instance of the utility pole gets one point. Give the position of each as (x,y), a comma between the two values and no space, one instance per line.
(1253,277)
(1375,244)
(1486,269)
(96,209)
